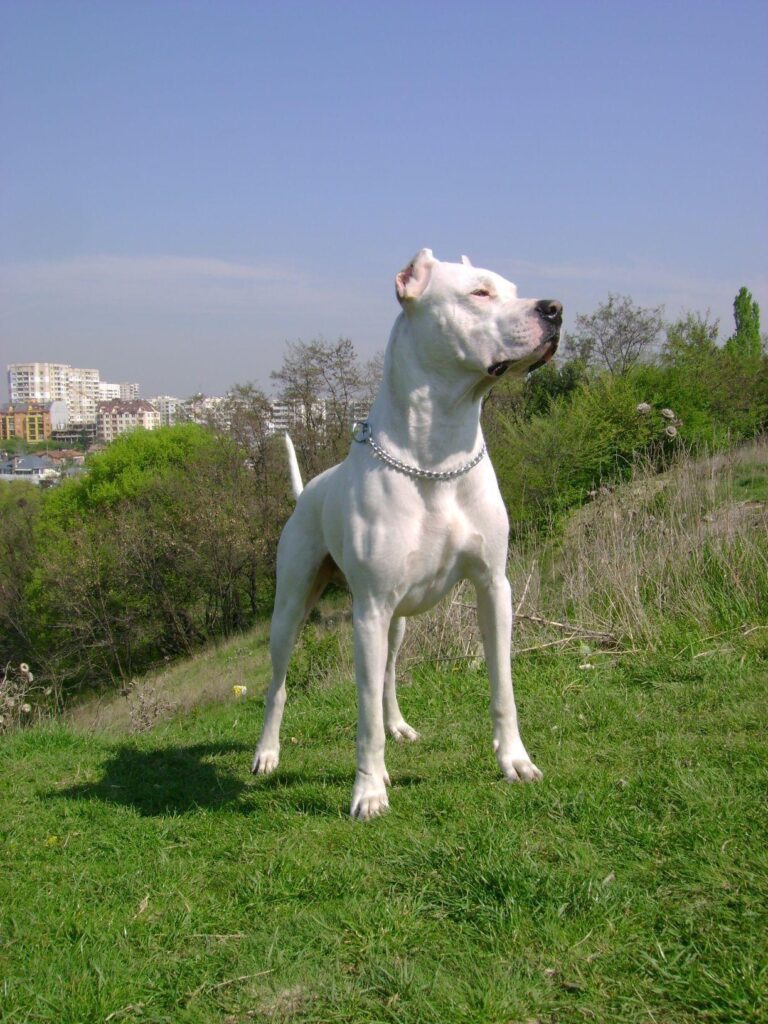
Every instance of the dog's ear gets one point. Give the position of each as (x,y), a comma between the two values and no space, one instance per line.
(413,279)
(465,260)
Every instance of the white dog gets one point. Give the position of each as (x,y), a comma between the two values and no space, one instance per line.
(414,508)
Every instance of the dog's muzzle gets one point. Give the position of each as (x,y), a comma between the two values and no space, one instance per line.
(551,311)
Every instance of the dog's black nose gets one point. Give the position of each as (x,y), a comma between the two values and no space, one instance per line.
(551,310)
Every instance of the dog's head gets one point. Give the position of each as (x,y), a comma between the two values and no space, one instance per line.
(478,315)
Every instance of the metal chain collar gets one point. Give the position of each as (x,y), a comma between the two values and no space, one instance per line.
(361,432)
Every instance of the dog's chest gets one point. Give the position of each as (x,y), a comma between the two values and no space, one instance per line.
(434,562)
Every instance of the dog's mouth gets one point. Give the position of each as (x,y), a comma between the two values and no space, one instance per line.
(499,369)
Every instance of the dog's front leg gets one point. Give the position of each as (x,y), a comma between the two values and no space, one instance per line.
(494,613)
(371,626)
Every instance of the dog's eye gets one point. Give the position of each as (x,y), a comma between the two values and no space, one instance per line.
(482,293)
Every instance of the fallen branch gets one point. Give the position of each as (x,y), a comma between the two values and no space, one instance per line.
(130,1008)
(229,981)
(525,590)
(437,660)
(540,620)
(578,631)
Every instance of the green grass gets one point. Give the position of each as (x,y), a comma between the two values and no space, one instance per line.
(152,878)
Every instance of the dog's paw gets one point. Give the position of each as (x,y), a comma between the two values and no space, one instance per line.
(518,767)
(369,797)
(401,732)
(265,761)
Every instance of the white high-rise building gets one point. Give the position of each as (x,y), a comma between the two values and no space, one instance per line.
(84,395)
(56,382)
(108,391)
(129,392)
(38,382)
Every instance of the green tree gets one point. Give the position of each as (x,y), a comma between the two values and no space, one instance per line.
(690,340)
(616,336)
(19,508)
(128,467)
(745,342)
(327,387)
(165,544)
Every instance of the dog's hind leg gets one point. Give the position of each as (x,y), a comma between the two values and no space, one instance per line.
(300,585)
(393,718)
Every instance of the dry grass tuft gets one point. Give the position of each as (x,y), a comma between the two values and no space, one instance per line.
(146,707)
(683,547)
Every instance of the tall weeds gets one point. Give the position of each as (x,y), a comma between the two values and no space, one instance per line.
(686,551)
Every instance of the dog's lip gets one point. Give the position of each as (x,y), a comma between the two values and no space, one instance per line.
(500,368)
(553,343)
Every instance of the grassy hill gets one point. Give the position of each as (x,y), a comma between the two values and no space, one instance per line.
(147,876)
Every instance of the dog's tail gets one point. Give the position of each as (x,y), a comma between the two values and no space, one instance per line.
(293,464)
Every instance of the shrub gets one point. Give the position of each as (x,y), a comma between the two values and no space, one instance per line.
(549,463)
(168,543)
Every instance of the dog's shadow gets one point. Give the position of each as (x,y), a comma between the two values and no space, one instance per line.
(167,780)
(182,780)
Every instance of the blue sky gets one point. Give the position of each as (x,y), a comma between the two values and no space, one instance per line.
(185,186)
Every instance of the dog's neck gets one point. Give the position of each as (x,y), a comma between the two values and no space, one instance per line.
(425,414)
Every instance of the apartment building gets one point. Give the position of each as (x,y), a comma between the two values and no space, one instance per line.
(82,389)
(84,434)
(117,417)
(84,395)
(56,382)
(31,421)
(288,415)
(167,406)
(202,409)
(108,391)
(38,382)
